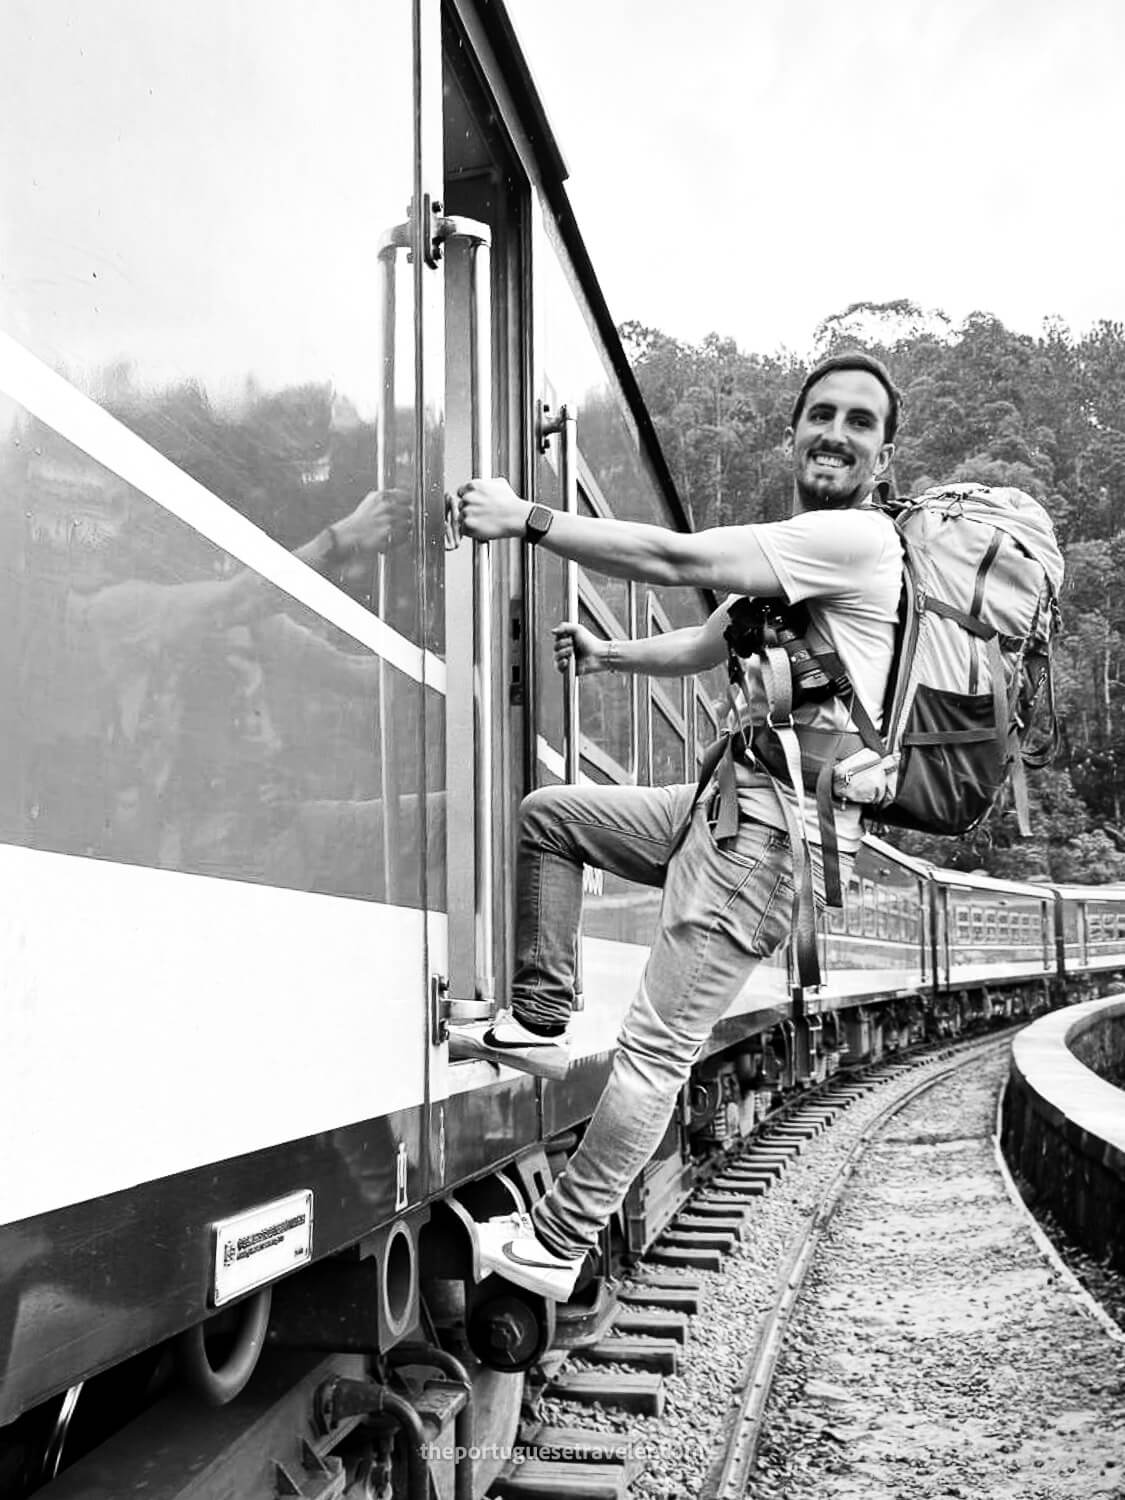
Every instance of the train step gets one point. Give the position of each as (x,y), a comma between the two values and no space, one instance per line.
(655,1325)
(641,1392)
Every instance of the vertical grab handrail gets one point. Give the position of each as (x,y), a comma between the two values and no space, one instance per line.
(568,476)
(564,425)
(386,476)
(478,238)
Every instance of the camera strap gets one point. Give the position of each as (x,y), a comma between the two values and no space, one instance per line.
(777,679)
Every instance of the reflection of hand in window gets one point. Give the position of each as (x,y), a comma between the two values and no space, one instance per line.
(379,522)
(131,625)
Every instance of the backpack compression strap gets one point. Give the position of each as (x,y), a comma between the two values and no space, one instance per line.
(777,679)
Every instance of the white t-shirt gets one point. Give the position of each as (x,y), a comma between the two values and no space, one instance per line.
(846,566)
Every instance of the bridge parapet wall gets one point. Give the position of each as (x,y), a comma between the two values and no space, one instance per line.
(1063,1126)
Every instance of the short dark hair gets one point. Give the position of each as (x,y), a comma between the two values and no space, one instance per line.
(854,359)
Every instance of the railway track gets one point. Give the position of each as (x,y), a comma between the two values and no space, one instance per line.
(599,1415)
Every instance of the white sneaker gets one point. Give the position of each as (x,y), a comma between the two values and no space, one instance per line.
(509,1247)
(506,1031)
(505,1040)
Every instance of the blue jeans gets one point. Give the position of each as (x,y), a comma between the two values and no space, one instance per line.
(722,910)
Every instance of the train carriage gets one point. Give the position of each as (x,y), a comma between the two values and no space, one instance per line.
(1089,931)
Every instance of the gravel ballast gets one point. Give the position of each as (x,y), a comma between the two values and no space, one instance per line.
(935,1352)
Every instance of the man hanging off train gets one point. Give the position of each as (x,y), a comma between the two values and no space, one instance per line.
(723,855)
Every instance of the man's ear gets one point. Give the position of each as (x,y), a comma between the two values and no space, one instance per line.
(883,462)
(787,442)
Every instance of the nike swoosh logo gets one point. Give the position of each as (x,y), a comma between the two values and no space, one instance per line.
(538,1265)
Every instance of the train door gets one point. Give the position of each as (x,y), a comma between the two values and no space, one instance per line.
(478,216)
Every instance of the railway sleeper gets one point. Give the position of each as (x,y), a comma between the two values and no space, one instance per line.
(676,1255)
(639,1392)
(718,1208)
(653,1324)
(735,1225)
(579,1444)
(540,1479)
(698,1239)
(667,1298)
(662,1356)
(745,1186)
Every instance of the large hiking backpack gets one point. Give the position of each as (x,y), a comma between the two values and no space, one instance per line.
(981,579)
(982,573)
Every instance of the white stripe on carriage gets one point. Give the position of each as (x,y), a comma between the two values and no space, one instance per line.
(551,760)
(27,380)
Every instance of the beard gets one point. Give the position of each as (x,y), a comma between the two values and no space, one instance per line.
(814,498)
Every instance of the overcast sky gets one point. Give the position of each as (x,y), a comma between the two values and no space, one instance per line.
(750,166)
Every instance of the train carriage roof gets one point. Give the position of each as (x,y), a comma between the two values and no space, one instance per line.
(973,881)
(1090,892)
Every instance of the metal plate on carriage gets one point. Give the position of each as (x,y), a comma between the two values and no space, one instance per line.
(261,1244)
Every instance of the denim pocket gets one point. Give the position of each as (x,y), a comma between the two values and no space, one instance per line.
(753,843)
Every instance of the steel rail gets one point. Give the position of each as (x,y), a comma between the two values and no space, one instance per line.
(742,1432)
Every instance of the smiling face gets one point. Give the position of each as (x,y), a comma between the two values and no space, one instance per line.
(837,446)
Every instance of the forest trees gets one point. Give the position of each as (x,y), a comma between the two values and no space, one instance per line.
(981,402)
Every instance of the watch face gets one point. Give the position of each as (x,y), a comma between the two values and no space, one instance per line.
(538,522)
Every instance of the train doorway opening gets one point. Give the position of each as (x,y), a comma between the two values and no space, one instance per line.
(484,208)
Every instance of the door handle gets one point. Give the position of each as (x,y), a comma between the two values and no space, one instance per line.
(477,237)
(564,426)
(392,242)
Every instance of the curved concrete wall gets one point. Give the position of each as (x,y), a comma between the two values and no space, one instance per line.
(1063,1127)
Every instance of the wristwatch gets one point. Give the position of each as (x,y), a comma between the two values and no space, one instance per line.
(538,523)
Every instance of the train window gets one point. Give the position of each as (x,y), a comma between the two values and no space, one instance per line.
(1004,925)
(976,923)
(882,914)
(668,728)
(837,917)
(870,909)
(270,742)
(706,724)
(605,700)
(853,907)
(961,922)
(990,925)
(668,757)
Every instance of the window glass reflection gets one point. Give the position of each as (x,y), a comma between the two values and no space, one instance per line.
(191,233)
(667,749)
(162,704)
